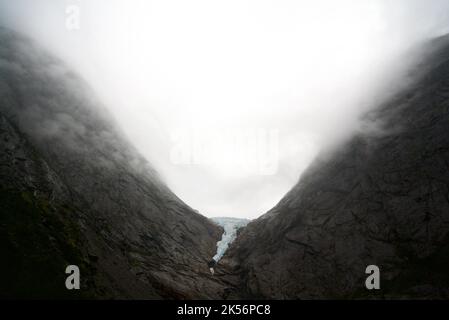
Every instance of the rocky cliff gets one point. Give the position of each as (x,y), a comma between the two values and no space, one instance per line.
(74,191)
(380,198)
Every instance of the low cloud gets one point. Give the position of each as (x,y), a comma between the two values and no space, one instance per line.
(305,69)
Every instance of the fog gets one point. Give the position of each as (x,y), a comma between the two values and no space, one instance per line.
(231,100)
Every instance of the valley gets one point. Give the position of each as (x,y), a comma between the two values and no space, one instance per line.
(74,191)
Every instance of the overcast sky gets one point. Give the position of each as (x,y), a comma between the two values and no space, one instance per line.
(231,100)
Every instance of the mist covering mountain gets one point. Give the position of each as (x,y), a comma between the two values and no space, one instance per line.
(73,190)
(381,198)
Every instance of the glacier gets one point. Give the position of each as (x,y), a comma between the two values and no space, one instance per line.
(230,226)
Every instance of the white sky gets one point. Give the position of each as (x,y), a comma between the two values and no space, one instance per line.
(231,100)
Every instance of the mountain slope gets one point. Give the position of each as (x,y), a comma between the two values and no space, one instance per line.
(74,191)
(381,198)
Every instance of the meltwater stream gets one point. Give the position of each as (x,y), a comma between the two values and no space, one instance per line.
(230,226)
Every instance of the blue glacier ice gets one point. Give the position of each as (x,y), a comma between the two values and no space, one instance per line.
(230,226)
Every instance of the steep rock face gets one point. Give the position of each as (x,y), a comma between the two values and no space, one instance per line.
(73,191)
(381,198)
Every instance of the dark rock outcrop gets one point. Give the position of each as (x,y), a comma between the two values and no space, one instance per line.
(74,191)
(381,198)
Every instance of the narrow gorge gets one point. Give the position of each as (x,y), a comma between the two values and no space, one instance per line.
(74,191)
